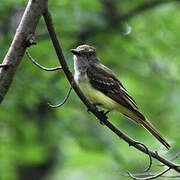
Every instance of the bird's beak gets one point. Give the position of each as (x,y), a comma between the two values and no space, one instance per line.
(75,51)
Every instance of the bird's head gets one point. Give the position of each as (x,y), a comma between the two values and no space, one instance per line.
(84,55)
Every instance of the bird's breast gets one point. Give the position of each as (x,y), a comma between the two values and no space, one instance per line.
(95,96)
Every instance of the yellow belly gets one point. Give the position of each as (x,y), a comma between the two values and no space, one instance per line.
(96,97)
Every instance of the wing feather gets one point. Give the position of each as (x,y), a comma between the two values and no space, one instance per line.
(105,81)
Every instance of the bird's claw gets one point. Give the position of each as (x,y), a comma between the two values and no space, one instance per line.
(104,113)
(95,105)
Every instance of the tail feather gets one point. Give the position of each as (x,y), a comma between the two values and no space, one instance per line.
(154,132)
(139,118)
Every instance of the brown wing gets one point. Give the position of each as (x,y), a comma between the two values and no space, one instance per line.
(104,80)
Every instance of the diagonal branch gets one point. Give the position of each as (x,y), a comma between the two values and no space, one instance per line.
(92,108)
(174,158)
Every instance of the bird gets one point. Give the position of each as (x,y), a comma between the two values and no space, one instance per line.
(102,88)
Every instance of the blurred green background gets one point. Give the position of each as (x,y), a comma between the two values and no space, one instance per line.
(140,41)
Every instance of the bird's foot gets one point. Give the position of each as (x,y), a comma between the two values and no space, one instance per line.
(88,110)
(104,114)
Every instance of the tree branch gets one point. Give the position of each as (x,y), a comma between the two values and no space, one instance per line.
(5,66)
(150,177)
(150,158)
(40,66)
(151,174)
(24,37)
(64,101)
(92,108)
(176,156)
(21,40)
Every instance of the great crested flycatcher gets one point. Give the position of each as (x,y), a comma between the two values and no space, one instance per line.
(101,87)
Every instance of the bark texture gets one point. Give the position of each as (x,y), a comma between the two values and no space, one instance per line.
(22,39)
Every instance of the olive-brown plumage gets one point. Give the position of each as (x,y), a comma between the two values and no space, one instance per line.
(101,86)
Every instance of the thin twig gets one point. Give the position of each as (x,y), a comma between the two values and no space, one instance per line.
(99,115)
(64,101)
(149,174)
(176,156)
(150,158)
(151,177)
(40,66)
